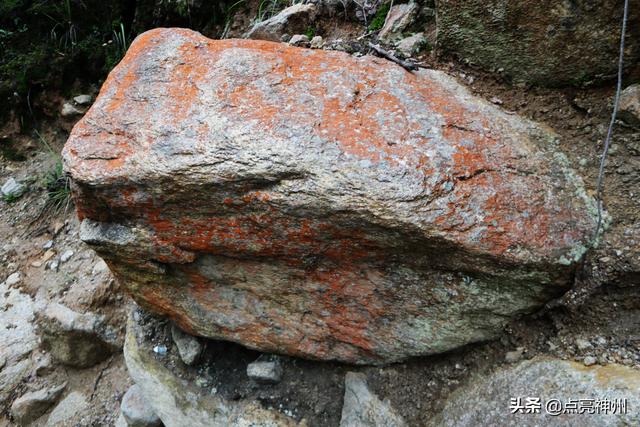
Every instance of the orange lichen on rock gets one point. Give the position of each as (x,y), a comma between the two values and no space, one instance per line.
(312,203)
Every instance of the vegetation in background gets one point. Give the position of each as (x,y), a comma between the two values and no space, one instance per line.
(55,181)
(52,44)
(381,15)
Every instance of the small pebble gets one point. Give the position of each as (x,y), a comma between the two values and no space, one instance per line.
(66,256)
(13,279)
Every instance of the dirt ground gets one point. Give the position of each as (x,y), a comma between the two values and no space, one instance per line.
(603,308)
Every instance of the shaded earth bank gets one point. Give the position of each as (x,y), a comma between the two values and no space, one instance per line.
(60,301)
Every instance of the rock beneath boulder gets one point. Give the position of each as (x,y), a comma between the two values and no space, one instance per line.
(500,398)
(32,405)
(82,99)
(12,188)
(181,403)
(292,20)
(338,207)
(547,43)
(399,19)
(69,407)
(265,371)
(630,105)
(189,346)
(75,339)
(362,408)
(136,411)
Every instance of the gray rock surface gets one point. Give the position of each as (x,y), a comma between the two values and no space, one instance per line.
(69,110)
(488,400)
(17,339)
(316,42)
(189,346)
(411,45)
(32,405)
(136,411)
(180,403)
(13,279)
(362,408)
(629,107)
(265,371)
(75,339)
(300,40)
(71,405)
(83,99)
(399,19)
(292,20)
(544,42)
(12,188)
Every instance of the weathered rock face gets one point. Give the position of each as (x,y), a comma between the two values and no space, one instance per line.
(488,400)
(315,204)
(178,402)
(543,42)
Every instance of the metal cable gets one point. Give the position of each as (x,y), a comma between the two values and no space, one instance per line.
(607,140)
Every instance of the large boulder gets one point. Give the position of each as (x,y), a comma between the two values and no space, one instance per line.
(312,203)
(544,42)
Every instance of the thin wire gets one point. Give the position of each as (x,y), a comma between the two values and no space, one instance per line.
(607,140)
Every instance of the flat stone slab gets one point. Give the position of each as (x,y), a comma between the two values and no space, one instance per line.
(320,205)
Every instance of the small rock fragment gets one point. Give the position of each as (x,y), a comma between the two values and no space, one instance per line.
(189,346)
(82,99)
(71,405)
(136,411)
(630,105)
(267,372)
(300,40)
(411,45)
(32,405)
(583,344)
(362,408)
(589,361)
(160,349)
(75,339)
(12,188)
(317,42)
(47,255)
(66,256)
(513,356)
(48,244)
(13,279)
(69,110)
